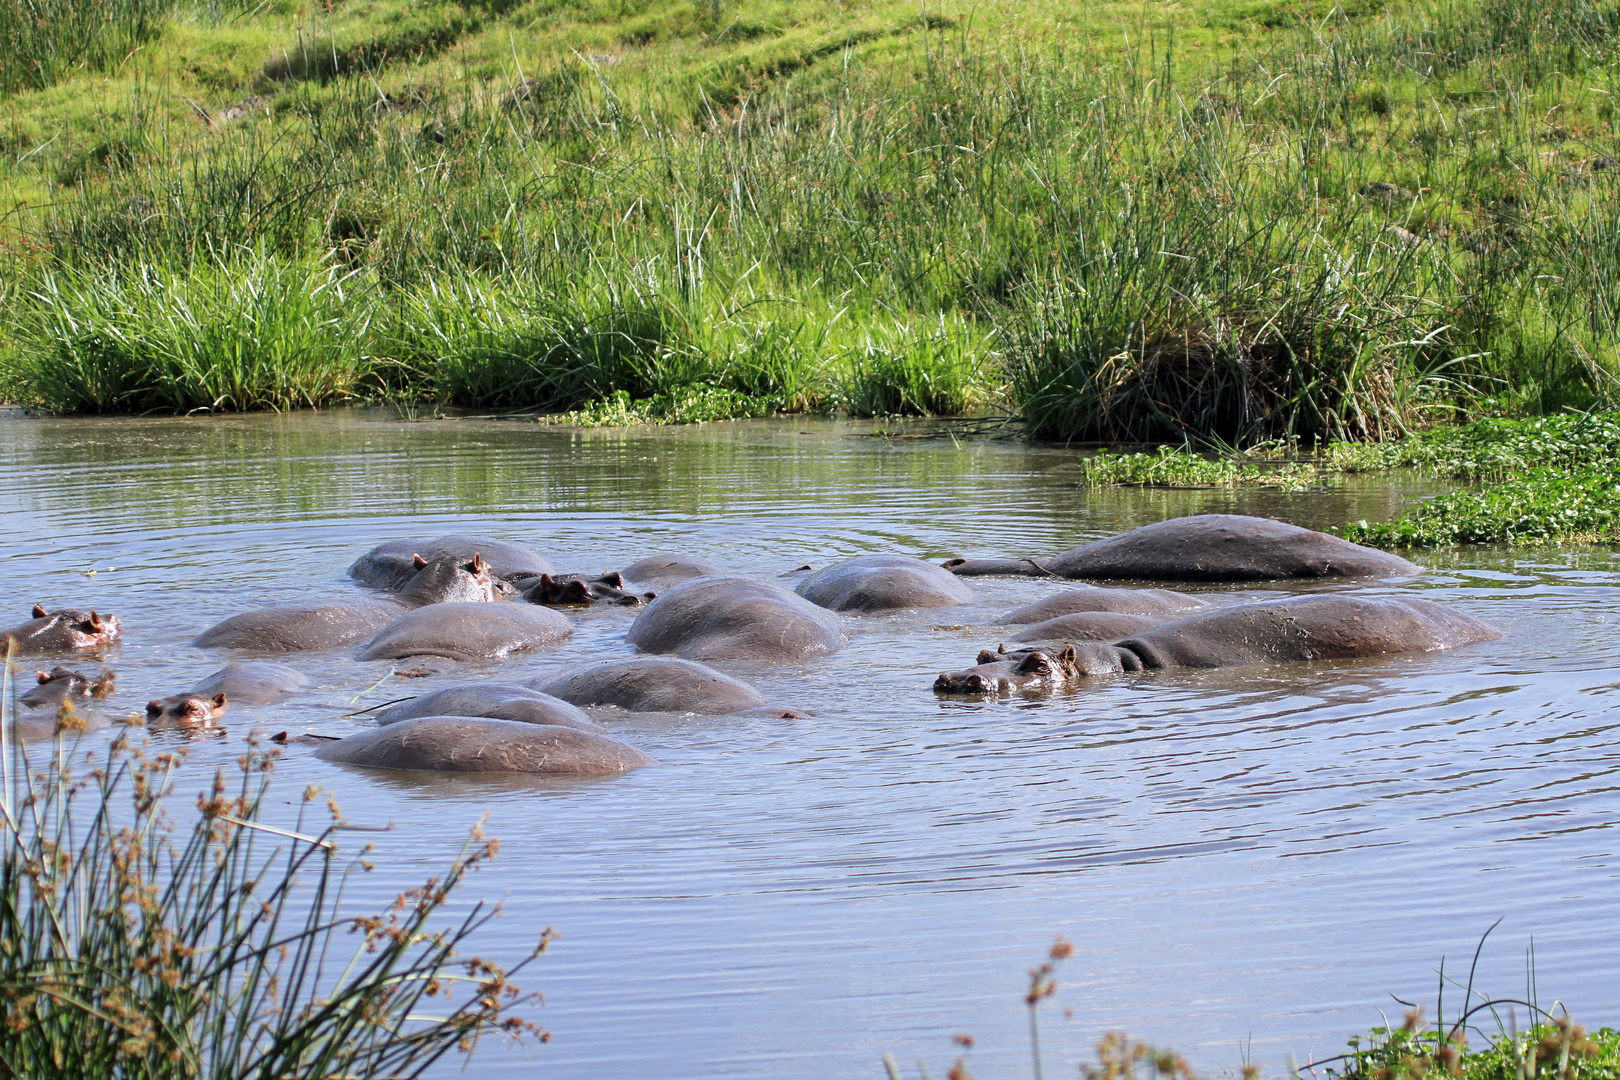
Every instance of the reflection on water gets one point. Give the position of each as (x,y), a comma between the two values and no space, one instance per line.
(1252,857)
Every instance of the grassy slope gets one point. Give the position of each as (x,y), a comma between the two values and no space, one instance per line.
(1138,220)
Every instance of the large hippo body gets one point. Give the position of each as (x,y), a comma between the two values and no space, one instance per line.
(477,745)
(1161,603)
(300,627)
(310,627)
(1086,626)
(663,570)
(252,682)
(62,632)
(470,631)
(1320,627)
(728,618)
(1206,547)
(388,566)
(883,583)
(654,684)
(495,701)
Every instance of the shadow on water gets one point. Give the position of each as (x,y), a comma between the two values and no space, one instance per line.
(1238,855)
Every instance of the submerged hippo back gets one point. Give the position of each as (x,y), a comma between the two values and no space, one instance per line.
(390,565)
(495,701)
(883,583)
(299,627)
(1087,626)
(1158,602)
(1225,547)
(655,684)
(476,745)
(1325,627)
(252,682)
(727,618)
(468,631)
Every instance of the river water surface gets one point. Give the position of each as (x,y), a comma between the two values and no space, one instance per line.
(1249,862)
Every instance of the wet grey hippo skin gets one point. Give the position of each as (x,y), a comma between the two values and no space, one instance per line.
(1002,672)
(62,631)
(252,682)
(309,627)
(1087,626)
(729,618)
(495,701)
(654,684)
(60,684)
(1322,627)
(473,631)
(389,566)
(883,583)
(572,590)
(299,627)
(478,745)
(1159,602)
(1213,547)
(663,570)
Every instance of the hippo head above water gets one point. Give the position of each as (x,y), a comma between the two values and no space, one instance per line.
(576,589)
(64,631)
(448,579)
(1003,672)
(65,684)
(185,710)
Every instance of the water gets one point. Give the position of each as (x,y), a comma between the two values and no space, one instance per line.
(1248,861)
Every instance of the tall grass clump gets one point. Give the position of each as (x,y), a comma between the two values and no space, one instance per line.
(42,40)
(140,938)
(232,332)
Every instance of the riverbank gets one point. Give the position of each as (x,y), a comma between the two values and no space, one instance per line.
(1129,226)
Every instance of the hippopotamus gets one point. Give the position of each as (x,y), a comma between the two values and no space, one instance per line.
(62,632)
(1327,626)
(497,701)
(448,580)
(65,684)
(185,710)
(664,570)
(1157,602)
(389,566)
(569,590)
(871,583)
(252,682)
(1206,547)
(1003,672)
(479,745)
(299,627)
(475,631)
(731,618)
(1087,626)
(653,684)
(308,627)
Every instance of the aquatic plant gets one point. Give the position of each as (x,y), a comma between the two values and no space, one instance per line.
(136,945)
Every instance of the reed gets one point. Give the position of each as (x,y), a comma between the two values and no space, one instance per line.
(143,938)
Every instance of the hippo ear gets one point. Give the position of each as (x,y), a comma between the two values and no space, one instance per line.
(40,612)
(94,620)
(546,582)
(1002,648)
(154,708)
(219,702)
(43,677)
(1069,655)
(614,579)
(952,563)
(418,562)
(478,564)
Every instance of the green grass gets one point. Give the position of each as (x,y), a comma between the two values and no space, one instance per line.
(1119,223)
(145,936)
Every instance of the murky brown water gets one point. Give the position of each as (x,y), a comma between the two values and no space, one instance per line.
(1241,857)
